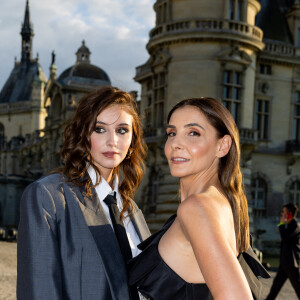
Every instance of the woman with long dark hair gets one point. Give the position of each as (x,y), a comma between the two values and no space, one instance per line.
(202,252)
(79,226)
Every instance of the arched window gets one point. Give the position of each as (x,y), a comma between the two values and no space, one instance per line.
(294,192)
(259,196)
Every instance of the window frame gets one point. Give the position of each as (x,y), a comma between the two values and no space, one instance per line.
(265,69)
(296,117)
(294,195)
(236,10)
(159,98)
(263,117)
(229,88)
(256,188)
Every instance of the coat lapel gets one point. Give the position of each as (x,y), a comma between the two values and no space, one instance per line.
(140,224)
(104,237)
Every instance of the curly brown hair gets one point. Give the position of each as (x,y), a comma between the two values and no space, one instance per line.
(229,172)
(76,149)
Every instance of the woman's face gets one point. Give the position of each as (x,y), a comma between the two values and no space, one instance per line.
(192,142)
(111,138)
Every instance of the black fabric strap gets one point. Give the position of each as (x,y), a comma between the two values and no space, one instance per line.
(121,235)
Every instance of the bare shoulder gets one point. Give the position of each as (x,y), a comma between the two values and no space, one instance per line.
(200,207)
(207,214)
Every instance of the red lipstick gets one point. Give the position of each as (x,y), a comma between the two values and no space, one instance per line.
(109,154)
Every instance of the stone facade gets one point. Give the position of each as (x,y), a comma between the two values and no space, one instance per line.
(246,54)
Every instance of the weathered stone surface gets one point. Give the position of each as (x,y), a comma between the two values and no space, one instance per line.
(8,270)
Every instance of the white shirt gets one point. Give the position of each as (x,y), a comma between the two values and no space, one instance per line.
(102,190)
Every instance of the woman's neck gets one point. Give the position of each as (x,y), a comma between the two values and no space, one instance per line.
(198,183)
(108,177)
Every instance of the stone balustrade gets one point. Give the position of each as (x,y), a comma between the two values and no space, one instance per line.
(209,26)
(15,107)
(279,48)
(248,136)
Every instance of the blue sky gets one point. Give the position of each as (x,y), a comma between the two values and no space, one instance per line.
(116,32)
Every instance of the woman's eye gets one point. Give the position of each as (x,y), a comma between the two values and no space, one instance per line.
(171,134)
(122,130)
(99,130)
(194,133)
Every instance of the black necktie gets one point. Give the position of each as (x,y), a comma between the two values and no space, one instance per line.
(121,235)
(118,226)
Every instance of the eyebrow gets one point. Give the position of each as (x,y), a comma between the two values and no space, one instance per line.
(121,124)
(187,125)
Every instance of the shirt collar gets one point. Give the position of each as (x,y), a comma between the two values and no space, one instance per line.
(103,188)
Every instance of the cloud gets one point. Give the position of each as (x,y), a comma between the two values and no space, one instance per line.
(116,32)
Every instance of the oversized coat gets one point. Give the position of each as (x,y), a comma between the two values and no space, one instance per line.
(66,246)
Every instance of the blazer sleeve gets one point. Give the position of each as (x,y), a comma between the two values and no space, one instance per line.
(39,265)
(288,231)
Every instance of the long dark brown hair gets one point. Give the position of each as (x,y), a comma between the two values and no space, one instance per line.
(76,150)
(229,171)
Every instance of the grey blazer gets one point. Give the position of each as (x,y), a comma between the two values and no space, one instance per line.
(66,246)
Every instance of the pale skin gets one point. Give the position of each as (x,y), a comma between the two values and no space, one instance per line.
(200,246)
(111,139)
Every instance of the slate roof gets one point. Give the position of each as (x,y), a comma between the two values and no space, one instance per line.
(272,20)
(18,86)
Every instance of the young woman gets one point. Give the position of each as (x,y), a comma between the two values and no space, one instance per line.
(68,247)
(195,254)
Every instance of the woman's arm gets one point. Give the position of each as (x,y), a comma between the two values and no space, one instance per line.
(39,267)
(200,221)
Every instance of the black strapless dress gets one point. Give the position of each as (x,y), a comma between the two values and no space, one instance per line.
(157,281)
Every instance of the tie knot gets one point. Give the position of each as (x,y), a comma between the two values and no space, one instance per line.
(110,199)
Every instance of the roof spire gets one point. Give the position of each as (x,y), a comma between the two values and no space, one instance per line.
(27,35)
